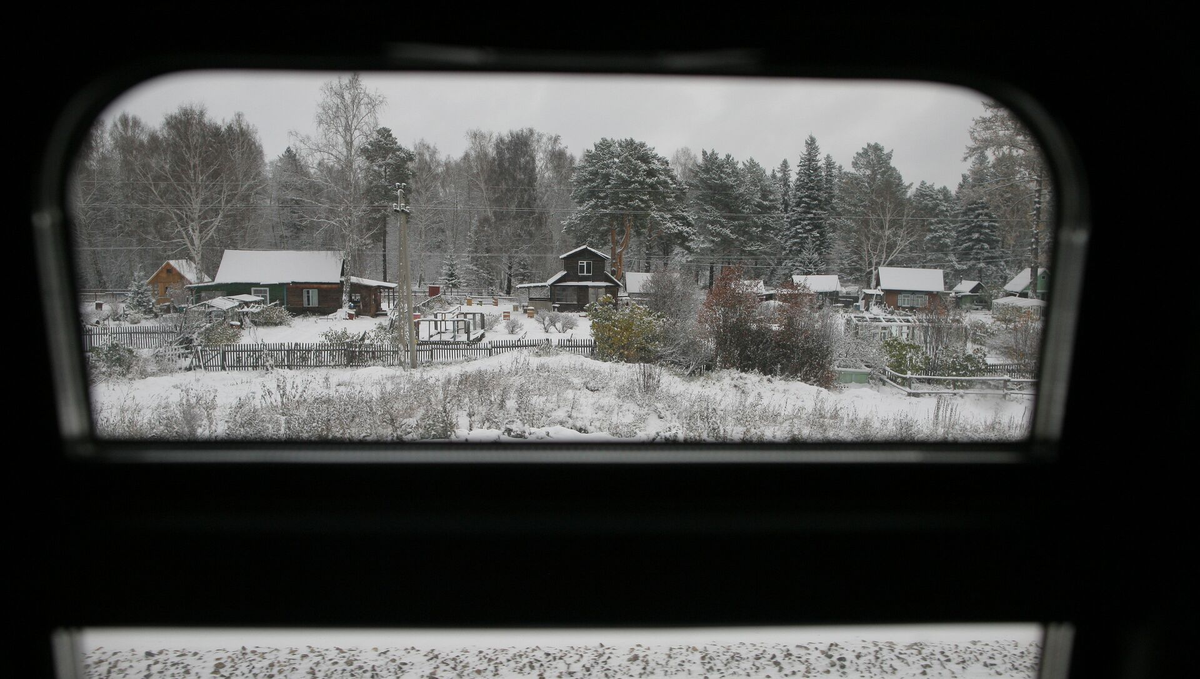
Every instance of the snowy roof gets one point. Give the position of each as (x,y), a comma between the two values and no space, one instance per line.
(608,280)
(635,281)
(280,266)
(230,302)
(186,268)
(818,283)
(965,287)
(245,298)
(555,277)
(583,247)
(1021,280)
(372,283)
(1018,301)
(900,278)
(754,285)
(872,292)
(586,284)
(532,285)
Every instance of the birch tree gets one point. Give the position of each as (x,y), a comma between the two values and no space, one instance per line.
(198,175)
(346,120)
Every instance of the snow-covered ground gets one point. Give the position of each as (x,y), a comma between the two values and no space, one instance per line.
(523,395)
(306,329)
(654,654)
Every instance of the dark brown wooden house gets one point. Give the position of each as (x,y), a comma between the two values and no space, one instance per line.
(169,283)
(584,279)
(302,281)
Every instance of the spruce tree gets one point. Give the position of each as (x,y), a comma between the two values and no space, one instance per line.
(806,225)
(139,299)
(978,243)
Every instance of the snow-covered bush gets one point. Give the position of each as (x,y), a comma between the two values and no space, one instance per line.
(795,337)
(568,322)
(628,334)
(905,357)
(111,360)
(273,315)
(1020,341)
(132,317)
(512,326)
(548,321)
(220,333)
(336,336)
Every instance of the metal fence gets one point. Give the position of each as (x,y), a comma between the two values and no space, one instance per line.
(353,354)
(924,385)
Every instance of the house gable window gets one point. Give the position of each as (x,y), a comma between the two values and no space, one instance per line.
(310,296)
(585,267)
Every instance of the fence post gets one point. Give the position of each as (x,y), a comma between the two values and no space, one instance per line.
(223,356)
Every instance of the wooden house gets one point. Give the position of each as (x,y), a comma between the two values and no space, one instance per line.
(968,294)
(909,289)
(584,279)
(169,283)
(1019,285)
(826,287)
(303,282)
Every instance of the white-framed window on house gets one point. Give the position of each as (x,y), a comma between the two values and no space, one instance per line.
(265,293)
(310,296)
(912,300)
(585,267)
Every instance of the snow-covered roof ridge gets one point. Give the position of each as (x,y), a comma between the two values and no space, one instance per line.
(965,286)
(583,247)
(280,266)
(818,282)
(920,280)
(1021,280)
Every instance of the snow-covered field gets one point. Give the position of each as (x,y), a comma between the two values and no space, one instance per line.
(309,328)
(536,395)
(851,659)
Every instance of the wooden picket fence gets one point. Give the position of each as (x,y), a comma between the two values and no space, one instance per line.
(352,354)
(134,337)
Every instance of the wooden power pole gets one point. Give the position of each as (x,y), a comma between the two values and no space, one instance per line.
(404,280)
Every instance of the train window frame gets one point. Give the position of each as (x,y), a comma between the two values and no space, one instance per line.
(56,266)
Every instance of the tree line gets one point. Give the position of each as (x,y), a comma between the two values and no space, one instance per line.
(500,213)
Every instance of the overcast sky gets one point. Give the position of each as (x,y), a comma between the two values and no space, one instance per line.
(925,125)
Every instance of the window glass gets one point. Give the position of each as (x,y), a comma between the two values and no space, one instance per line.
(775,260)
(919,652)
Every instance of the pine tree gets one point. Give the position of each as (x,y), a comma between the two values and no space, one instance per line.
(627,178)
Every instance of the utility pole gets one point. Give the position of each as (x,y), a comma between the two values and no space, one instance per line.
(404,280)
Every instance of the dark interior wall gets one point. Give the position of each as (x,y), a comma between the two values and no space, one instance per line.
(1079,539)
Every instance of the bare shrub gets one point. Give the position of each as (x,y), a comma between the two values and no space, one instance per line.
(513,325)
